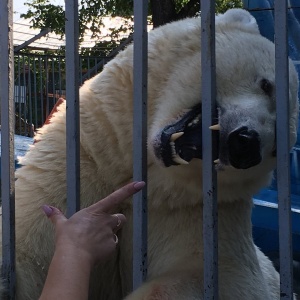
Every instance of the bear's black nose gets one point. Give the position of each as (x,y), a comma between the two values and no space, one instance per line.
(244,148)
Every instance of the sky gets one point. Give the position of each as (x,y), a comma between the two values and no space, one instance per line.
(19,7)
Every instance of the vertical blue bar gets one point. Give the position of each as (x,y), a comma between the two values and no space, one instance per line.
(208,84)
(7,146)
(72,114)
(283,153)
(140,235)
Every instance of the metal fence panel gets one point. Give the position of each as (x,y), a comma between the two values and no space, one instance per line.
(40,80)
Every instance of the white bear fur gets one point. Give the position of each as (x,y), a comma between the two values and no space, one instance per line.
(175,254)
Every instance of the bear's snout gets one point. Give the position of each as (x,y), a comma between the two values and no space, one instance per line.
(244,148)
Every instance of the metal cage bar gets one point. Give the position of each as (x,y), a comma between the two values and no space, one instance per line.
(41,89)
(208,95)
(139,142)
(7,146)
(29,131)
(35,94)
(72,110)
(25,98)
(283,149)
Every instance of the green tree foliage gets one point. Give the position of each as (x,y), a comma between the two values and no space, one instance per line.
(223,5)
(45,14)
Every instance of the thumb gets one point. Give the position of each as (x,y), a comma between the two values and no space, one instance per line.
(53,213)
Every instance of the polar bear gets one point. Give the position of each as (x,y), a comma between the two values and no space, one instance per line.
(247,156)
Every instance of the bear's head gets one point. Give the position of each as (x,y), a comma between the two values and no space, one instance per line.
(245,129)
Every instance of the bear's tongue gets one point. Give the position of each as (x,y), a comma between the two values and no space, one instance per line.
(180,142)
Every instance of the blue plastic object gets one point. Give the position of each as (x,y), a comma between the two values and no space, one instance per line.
(265,213)
(22,144)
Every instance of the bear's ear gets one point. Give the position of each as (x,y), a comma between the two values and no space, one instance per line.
(239,18)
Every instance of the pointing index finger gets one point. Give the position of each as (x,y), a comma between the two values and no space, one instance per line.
(117,197)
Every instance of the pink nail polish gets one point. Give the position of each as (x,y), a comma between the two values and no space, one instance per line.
(47,210)
(139,185)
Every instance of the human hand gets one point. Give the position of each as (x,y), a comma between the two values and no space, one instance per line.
(91,232)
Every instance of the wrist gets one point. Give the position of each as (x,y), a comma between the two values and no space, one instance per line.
(74,254)
(69,274)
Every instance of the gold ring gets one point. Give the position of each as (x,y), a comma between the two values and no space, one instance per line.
(119,220)
(116,239)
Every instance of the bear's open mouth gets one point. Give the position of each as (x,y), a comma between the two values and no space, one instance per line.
(181,141)
(236,141)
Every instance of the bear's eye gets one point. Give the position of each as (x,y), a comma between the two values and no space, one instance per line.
(267,87)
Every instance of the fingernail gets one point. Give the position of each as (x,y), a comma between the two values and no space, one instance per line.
(139,185)
(47,210)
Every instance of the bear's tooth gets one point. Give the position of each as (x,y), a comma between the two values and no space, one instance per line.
(176,135)
(215,127)
(179,160)
(217,161)
(173,149)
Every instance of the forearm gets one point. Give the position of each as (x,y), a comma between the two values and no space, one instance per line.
(68,276)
